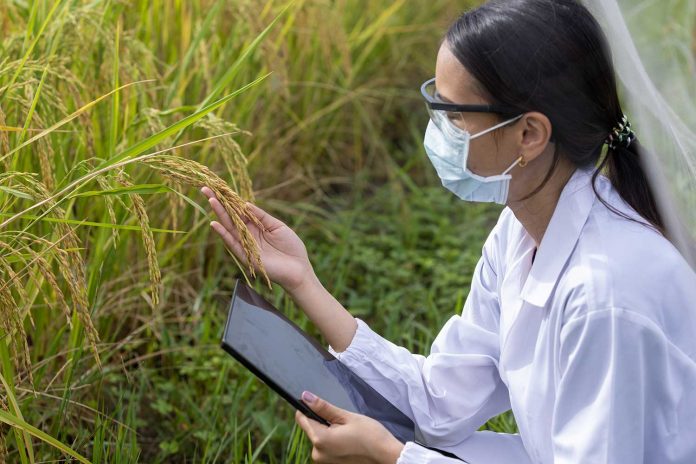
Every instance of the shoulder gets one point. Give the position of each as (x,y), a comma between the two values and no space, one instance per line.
(619,263)
(506,231)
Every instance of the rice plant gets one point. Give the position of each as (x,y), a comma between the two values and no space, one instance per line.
(111,113)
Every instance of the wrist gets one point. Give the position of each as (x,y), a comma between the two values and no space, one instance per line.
(308,285)
(390,451)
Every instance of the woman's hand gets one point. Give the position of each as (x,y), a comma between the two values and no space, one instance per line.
(282,252)
(351,438)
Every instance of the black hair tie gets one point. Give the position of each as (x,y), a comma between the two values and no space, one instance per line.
(621,135)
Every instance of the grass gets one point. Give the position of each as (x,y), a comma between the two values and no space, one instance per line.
(113,290)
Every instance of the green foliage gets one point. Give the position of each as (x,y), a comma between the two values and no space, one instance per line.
(317,101)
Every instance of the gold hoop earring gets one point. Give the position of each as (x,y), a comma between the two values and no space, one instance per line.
(523,162)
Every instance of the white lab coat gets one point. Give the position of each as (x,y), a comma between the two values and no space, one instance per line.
(592,346)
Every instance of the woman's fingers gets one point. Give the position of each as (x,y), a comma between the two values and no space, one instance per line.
(208,192)
(310,426)
(222,215)
(232,243)
(269,222)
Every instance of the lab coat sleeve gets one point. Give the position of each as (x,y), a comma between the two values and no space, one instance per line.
(483,447)
(619,392)
(457,388)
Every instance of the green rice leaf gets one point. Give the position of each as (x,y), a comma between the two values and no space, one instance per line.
(141,189)
(94,224)
(160,136)
(16,422)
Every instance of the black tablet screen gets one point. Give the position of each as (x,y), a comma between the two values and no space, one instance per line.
(291,361)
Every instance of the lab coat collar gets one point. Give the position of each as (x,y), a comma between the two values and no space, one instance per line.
(562,233)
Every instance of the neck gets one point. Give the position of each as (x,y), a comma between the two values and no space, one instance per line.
(535,213)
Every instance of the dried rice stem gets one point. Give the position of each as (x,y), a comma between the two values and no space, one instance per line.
(4,141)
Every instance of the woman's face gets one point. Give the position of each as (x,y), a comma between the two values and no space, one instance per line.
(455,85)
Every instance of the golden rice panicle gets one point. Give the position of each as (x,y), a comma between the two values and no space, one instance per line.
(48,275)
(155,123)
(72,265)
(46,156)
(13,281)
(148,239)
(75,279)
(189,172)
(104,185)
(230,151)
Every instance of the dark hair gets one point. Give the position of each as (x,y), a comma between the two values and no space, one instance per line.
(551,56)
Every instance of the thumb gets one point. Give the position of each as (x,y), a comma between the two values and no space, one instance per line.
(324,409)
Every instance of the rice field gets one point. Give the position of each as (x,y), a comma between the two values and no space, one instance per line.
(113,288)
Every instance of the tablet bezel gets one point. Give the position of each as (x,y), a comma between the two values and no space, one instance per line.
(296,403)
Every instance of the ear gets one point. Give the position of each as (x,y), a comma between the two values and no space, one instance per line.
(536,131)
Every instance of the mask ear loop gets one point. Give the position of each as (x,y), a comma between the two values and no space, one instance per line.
(504,123)
(521,161)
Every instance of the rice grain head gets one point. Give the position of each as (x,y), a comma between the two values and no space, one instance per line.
(230,151)
(13,281)
(71,261)
(148,239)
(13,327)
(104,185)
(46,156)
(189,172)
(45,270)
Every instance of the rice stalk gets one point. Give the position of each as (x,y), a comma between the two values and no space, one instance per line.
(192,173)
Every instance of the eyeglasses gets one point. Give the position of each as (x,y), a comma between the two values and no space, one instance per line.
(434,102)
(447,116)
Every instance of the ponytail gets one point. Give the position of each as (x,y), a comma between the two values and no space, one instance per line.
(626,173)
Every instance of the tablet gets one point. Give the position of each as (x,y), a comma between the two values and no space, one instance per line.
(290,361)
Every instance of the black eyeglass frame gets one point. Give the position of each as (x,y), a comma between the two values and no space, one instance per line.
(463,108)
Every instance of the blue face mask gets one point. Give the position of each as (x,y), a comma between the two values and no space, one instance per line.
(448,150)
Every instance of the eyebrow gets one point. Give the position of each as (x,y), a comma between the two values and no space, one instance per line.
(441,97)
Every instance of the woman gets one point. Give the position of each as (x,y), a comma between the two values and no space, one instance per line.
(580,316)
